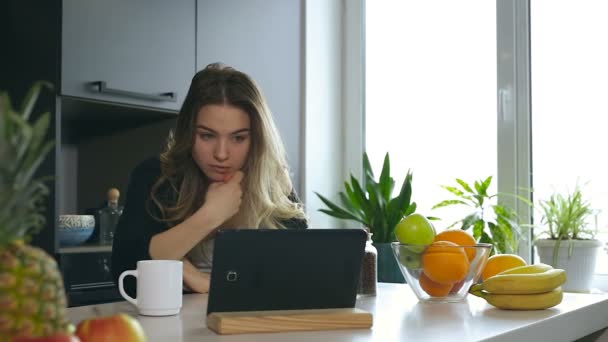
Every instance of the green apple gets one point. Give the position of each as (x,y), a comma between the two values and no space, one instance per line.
(409,257)
(415,229)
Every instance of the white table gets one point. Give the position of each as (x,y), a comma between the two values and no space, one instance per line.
(398,316)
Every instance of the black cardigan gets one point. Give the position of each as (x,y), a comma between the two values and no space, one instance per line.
(136,226)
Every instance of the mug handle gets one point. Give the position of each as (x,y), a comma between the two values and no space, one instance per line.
(121,288)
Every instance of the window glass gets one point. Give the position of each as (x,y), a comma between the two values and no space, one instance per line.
(431,95)
(569,108)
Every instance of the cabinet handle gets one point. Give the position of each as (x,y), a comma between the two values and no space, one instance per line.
(101,87)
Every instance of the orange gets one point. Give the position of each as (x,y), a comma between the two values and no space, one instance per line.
(445,262)
(432,288)
(501,262)
(461,238)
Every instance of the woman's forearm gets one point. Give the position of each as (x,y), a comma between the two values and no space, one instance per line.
(174,243)
(196,280)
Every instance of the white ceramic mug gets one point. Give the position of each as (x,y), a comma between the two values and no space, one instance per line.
(159,287)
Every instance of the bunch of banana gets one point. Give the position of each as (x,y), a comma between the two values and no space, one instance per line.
(530,287)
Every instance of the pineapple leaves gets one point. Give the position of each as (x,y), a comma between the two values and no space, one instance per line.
(31,97)
(21,142)
(23,147)
(39,130)
(371,204)
(5,124)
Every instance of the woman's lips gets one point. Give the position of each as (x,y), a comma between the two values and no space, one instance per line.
(221,169)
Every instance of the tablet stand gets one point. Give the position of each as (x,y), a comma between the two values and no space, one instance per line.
(246,322)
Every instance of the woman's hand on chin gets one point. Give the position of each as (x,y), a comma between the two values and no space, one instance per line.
(223,200)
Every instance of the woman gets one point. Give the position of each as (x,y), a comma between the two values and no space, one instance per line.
(224,167)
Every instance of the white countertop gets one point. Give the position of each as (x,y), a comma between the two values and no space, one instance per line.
(398,316)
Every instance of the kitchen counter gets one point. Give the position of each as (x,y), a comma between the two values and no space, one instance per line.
(398,316)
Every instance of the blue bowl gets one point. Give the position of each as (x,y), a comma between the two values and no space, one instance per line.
(74,236)
(75,229)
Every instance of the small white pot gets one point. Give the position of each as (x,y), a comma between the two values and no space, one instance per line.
(579,267)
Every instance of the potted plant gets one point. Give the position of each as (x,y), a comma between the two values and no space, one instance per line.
(33,297)
(569,244)
(372,204)
(490,222)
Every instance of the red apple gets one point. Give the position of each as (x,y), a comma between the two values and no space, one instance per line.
(120,327)
(457,286)
(54,338)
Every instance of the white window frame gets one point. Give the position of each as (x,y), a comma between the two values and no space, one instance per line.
(333,118)
(513,105)
(354,87)
(513,101)
(514,111)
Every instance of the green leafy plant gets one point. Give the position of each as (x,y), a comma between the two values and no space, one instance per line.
(372,204)
(566,217)
(23,147)
(489,222)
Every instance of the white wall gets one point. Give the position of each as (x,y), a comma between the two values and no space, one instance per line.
(353,92)
(332,122)
(322,145)
(264,39)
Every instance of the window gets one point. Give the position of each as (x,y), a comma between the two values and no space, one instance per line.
(430,101)
(430,76)
(569,77)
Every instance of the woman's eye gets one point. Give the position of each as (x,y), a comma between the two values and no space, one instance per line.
(240,138)
(206,136)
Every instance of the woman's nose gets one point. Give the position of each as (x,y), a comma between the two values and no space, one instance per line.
(221,150)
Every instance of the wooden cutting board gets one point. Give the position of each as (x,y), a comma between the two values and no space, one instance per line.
(247,322)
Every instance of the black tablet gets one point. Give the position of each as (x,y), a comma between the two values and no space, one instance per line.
(285,269)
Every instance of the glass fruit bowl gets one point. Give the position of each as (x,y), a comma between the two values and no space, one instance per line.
(442,271)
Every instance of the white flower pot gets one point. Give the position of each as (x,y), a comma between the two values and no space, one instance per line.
(579,266)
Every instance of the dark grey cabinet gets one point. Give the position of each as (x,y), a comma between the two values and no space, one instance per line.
(263,38)
(88,278)
(134,52)
(142,55)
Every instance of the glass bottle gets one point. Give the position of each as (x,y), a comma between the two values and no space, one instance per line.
(108,217)
(369,269)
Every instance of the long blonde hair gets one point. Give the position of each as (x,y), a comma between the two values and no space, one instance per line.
(266,185)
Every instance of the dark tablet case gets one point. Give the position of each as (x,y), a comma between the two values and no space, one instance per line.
(270,269)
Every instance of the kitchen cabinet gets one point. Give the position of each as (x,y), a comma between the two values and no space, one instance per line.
(87,276)
(133,52)
(99,154)
(98,138)
(145,52)
(262,38)
(99,146)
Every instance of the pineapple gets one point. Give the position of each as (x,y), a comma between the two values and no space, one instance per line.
(32,297)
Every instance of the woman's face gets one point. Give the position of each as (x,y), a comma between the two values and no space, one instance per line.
(222,140)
